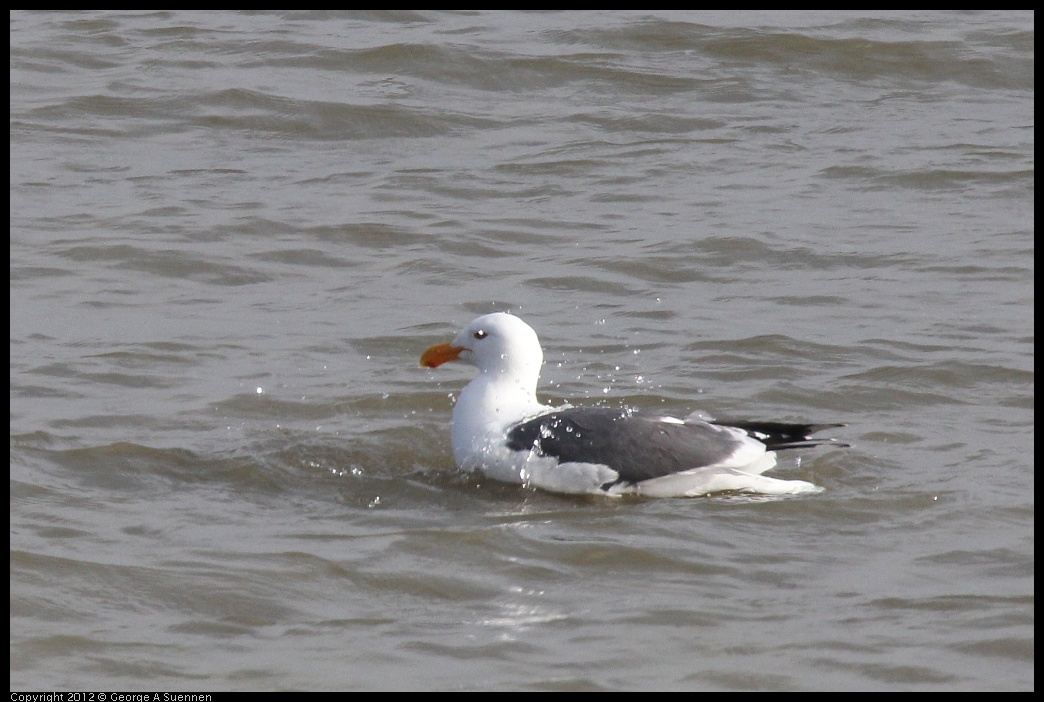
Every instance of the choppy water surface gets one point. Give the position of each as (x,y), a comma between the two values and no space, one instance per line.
(232,234)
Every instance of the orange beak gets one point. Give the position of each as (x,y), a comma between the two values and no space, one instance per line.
(439,354)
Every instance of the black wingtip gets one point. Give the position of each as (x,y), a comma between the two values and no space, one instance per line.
(783,435)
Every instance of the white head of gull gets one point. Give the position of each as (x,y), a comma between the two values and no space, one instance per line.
(501,430)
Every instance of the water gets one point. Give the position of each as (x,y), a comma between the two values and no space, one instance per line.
(232,234)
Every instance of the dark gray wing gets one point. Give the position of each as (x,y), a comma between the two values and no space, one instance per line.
(636,447)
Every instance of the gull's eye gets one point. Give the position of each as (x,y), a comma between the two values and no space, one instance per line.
(480,334)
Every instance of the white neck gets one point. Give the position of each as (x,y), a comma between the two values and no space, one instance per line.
(490,404)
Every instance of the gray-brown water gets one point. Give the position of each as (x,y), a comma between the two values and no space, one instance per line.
(232,234)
